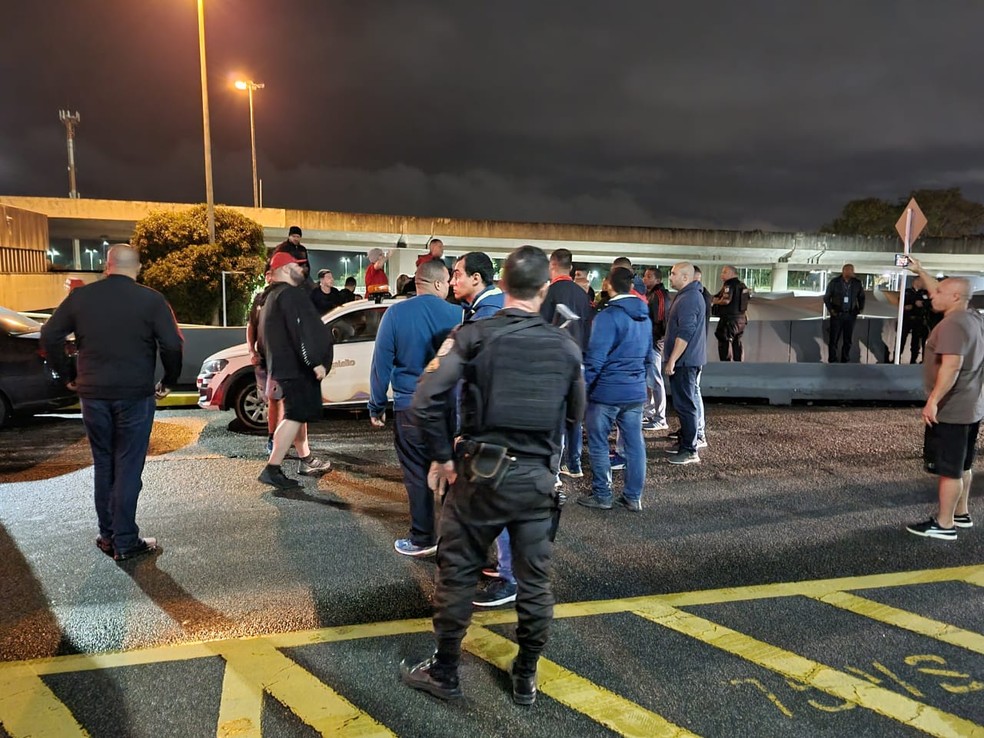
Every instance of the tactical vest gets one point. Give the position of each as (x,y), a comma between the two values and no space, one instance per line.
(503,381)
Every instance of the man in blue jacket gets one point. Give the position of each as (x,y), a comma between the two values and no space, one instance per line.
(409,336)
(686,346)
(615,369)
(473,283)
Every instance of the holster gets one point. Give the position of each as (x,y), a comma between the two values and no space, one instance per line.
(483,463)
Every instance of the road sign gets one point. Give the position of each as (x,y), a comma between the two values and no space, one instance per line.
(911,224)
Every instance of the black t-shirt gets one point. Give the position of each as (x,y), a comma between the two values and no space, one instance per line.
(292,334)
(322,302)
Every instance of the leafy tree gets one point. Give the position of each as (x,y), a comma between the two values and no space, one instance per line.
(869,216)
(947,211)
(179,262)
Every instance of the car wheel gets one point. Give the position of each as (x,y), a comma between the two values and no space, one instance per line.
(250,410)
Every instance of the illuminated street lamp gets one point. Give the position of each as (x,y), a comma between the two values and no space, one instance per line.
(209,196)
(345,262)
(90,252)
(249,85)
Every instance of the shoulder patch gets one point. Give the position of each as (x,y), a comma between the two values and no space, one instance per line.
(444,350)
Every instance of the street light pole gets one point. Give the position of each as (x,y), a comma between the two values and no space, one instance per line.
(249,86)
(209,196)
(225,316)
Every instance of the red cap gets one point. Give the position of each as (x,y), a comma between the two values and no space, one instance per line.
(282,258)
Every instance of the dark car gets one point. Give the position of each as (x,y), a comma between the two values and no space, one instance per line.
(28,384)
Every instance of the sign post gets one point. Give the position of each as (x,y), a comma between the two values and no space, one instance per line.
(909,226)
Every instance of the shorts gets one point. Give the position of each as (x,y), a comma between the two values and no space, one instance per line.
(949,449)
(302,399)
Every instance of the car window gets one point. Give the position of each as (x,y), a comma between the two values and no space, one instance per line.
(358,326)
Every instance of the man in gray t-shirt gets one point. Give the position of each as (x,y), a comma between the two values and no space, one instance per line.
(953,373)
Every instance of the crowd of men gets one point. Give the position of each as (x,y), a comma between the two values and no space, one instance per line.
(475,442)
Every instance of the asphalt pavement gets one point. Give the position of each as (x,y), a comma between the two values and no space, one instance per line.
(770,590)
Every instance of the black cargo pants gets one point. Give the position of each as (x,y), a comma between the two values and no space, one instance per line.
(471,519)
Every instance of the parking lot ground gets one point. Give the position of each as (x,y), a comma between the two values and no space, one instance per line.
(770,590)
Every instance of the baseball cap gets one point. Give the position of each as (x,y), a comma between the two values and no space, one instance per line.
(282,258)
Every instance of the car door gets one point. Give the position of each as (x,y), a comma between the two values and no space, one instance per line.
(354,334)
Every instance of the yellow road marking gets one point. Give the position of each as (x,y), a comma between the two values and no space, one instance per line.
(241,706)
(903,619)
(28,709)
(885,702)
(605,707)
(297,689)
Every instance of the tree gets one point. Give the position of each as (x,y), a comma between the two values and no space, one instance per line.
(179,262)
(948,212)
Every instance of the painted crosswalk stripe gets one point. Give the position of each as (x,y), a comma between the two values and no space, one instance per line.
(861,692)
(908,620)
(301,692)
(28,709)
(604,707)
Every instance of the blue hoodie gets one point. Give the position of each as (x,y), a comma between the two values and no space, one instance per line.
(619,352)
(409,335)
(487,303)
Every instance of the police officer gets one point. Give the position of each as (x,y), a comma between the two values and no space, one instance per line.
(915,318)
(729,305)
(502,469)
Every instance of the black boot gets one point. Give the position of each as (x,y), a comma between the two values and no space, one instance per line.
(523,682)
(432,677)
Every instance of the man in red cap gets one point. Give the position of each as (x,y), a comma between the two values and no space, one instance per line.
(298,351)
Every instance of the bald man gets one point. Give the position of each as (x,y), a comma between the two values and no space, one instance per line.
(120,328)
(953,374)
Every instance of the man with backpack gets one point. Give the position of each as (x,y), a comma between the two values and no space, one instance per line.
(729,305)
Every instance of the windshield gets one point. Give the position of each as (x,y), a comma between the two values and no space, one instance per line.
(12,322)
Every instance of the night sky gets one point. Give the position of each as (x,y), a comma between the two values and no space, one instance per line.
(721,114)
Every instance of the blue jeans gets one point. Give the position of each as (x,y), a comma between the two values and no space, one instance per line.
(628,419)
(413,458)
(700,406)
(573,446)
(686,401)
(656,404)
(504,552)
(119,434)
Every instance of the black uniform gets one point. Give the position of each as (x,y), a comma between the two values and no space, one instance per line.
(522,377)
(845,301)
(731,319)
(915,319)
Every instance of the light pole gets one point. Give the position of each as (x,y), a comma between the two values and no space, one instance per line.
(224,315)
(345,261)
(249,85)
(90,252)
(209,196)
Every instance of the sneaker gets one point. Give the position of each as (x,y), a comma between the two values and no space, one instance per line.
(674,450)
(408,548)
(565,470)
(144,546)
(275,477)
(963,521)
(674,436)
(616,462)
(431,677)
(315,467)
(652,425)
(594,502)
(684,457)
(524,687)
(491,572)
(932,529)
(701,442)
(633,505)
(105,545)
(498,592)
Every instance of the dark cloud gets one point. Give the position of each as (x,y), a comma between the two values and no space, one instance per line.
(751,115)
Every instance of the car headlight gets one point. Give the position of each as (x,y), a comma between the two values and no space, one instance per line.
(213,367)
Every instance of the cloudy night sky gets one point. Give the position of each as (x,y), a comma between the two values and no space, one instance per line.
(733,115)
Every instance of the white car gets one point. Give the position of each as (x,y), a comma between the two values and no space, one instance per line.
(227,379)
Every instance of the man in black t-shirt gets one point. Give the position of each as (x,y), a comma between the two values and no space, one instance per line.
(326,295)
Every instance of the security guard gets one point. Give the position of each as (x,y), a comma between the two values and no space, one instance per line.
(522,377)
(729,305)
